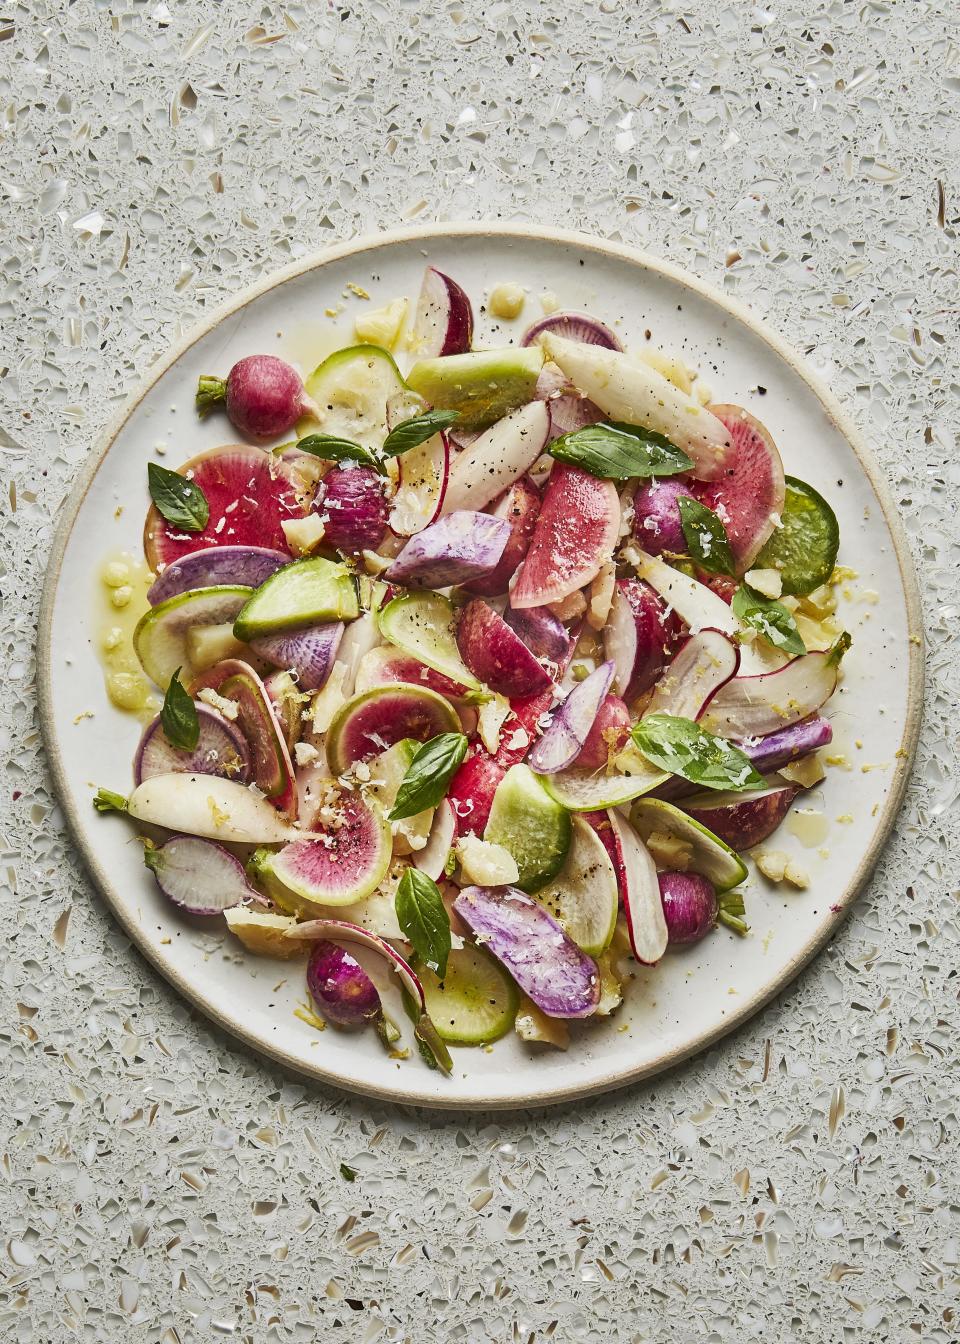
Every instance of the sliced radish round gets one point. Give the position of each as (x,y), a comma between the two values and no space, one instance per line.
(205,805)
(199,876)
(346,861)
(570,725)
(372,722)
(221,750)
(639,893)
(231,566)
(424,472)
(574,535)
(755,706)
(500,456)
(703,664)
(432,859)
(443,322)
(573,326)
(309,653)
(748,493)
(386,665)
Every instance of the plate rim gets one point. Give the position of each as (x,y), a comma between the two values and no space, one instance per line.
(734,307)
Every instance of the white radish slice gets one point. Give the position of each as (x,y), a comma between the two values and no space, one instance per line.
(583,895)
(497,458)
(640,893)
(204,805)
(432,859)
(199,876)
(756,706)
(360,637)
(423,485)
(628,390)
(571,722)
(697,605)
(704,664)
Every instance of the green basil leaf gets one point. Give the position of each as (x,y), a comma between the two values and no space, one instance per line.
(423,917)
(730,912)
(618,452)
(334,449)
(180,501)
(773,620)
(105,800)
(178,717)
(428,775)
(410,433)
(683,748)
(706,537)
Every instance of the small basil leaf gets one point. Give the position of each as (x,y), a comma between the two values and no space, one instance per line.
(771,618)
(428,775)
(181,502)
(683,748)
(178,717)
(410,433)
(730,912)
(706,537)
(105,800)
(334,449)
(619,452)
(423,917)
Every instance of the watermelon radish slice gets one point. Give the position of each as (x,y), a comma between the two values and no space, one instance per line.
(424,472)
(591,790)
(748,493)
(370,723)
(309,653)
(386,665)
(250,492)
(162,638)
(230,566)
(574,535)
(221,750)
(347,862)
(703,664)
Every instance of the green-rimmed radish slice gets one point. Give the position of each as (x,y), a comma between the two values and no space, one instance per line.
(592,790)
(352,388)
(709,856)
(804,547)
(483,385)
(584,894)
(375,912)
(422,624)
(162,636)
(530,825)
(340,865)
(475,1002)
(374,720)
(308,592)
(214,808)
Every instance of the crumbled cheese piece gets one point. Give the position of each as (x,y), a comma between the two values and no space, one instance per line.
(768,582)
(361,771)
(506,301)
(121,597)
(116,574)
(821,602)
(778,866)
(533,1025)
(382,326)
(549,302)
(228,708)
(669,851)
(490,719)
(806,773)
(375,564)
(303,534)
(611,994)
(486,864)
(305,754)
(112,639)
(517,740)
(569,607)
(357,290)
(220,817)
(601,596)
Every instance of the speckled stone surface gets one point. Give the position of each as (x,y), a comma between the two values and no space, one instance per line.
(157,1183)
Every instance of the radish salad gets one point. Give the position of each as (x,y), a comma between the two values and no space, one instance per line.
(491,668)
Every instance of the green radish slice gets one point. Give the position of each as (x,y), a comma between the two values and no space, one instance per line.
(804,547)
(590,790)
(373,721)
(204,805)
(343,863)
(352,388)
(530,825)
(422,624)
(162,639)
(475,1002)
(307,592)
(483,385)
(584,896)
(710,857)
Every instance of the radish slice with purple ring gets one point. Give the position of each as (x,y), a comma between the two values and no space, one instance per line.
(573,326)
(546,964)
(233,566)
(639,893)
(571,722)
(340,987)
(199,876)
(703,664)
(461,545)
(309,653)
(756,706)
(221,750)
(432,859)
(341,931)
(443,322)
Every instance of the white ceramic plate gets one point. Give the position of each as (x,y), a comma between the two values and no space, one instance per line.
(688,1000)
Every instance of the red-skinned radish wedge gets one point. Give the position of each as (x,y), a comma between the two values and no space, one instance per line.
(432,859)
(340,988)
(607,737)
(520,507)
(199,876)
(459,546)
(500,456)
(742,820)
(424,473)
(233,566)
(342,862)
(702,665)
(756,706)
(748,493)
(630,391)
(573,326)
(689,907)
(639,893)
(309,653)
(546,964)
(249,493)
(639,637)
(221,750)
(471,792)
(495,654)
(372,722)
(574,535)
(544,634)
(385,665)
(443,321)
(571,722)
(214,808)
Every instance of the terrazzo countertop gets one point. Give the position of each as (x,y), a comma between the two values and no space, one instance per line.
(159,1184)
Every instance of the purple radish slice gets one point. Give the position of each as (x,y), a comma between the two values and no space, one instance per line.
(544,634)
(500,456)
(345,932)
(689,907)
(496,654)
(199,876)
(639,892)
(264,396)
(309,653)
(755,706)
(546,964)
(424,472)
(767,754)
(443,321)
(459,546)
(742,820)
(221,750)
(656,515)
(352,508)
(704,663)
(575,327)
(432,859)
(570,723)
(343,861)
(244,566)
(340,987)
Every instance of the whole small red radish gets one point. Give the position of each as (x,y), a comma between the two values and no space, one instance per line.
(352,508)
(689,906)
(264,396)
(609,734)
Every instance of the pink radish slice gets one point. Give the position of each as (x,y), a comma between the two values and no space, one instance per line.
(309,653)
(570,725)
(704,663)
(766,754)
(496,654)
(385,665)
(340,987)
(500,456)
(755,706)
(199,876)
(575,327)
(639,892)
(749,491)
(742,820)
(221,750)
(689,907)
(343,863)
(249,493)
(656,514)
(574,535)
(230,566)
(543,633)
(270,759)
(459,546)
(547,965)
(424,474)
(638,637)
(443,322)
(352,508)
(519,507)
(432,859)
